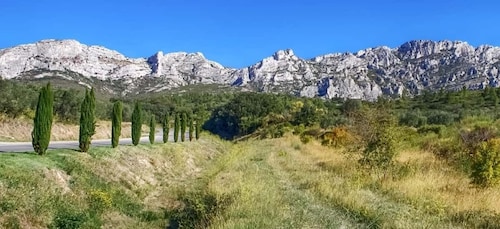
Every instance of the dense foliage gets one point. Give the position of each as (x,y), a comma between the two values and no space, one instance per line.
(184,120)
(177,125)
(116,123)
(136,124)
(166,128)
(152,130)
(42,123)
(87,120)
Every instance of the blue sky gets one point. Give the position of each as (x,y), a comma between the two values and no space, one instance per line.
(240,33)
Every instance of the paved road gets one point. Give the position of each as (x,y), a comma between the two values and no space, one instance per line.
(28,147)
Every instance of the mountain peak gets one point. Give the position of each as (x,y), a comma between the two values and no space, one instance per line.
(284,54)
(414,66)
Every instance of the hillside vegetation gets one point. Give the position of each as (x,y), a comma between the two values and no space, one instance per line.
(430,161)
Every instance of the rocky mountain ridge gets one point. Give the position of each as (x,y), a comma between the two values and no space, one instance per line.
(410,68)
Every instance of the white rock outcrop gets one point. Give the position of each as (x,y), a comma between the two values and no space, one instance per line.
(366,74)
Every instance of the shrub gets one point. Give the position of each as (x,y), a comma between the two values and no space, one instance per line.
(486,164)
(474,138)
(437,129)
(338,136)
(440,118)
(413,118)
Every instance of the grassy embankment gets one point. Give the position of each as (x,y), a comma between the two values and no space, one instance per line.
(274,183)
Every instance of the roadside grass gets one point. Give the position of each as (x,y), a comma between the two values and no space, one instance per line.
(126,187)
(211,183)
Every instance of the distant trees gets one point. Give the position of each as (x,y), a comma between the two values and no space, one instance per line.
(177,125)
(191,128)
(152,129)
(136,124)
(116,123)
(183,126)
(197,130)
(42,125)
(87,120)
(166,128)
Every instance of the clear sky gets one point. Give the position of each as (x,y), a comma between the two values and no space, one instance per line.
(239,33)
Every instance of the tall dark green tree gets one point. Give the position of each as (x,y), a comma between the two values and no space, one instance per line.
(197,129)
(191,128)
(183,126)
(116,120)
(136,124)
(42,123)
(166,128)
(152,129)
(177,125)
(87,120)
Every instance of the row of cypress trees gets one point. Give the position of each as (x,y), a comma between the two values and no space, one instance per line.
(44,117)
(182,122)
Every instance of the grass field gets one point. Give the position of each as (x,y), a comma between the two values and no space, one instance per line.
(210,183)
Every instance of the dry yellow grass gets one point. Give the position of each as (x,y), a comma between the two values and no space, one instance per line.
(20,130)
(435,180)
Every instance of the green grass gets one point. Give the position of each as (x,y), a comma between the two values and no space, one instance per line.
(210,183)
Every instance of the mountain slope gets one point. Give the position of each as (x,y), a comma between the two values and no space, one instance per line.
(366,74)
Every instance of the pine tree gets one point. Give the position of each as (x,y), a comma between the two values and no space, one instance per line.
(183,126)
(191,129)
(166,128)
(152,129)
(176,127)
(197,129)
(136,124)
(42,123)
(116,120)
(87,120)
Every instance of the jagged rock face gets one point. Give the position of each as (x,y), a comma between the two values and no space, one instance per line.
(367,74)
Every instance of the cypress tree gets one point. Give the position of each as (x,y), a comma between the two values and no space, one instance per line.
(116,120)
(42,123)
(176,128)
(183,126)
(87,120)
(197,129)
(166,128)
(136,124)
(191,129)
(152,129)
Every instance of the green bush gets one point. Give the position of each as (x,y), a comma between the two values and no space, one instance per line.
(413,118)
(440,118)
(486,164)
(437,129)
(68,219)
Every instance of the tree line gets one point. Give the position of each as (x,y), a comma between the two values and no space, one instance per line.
(44,117)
